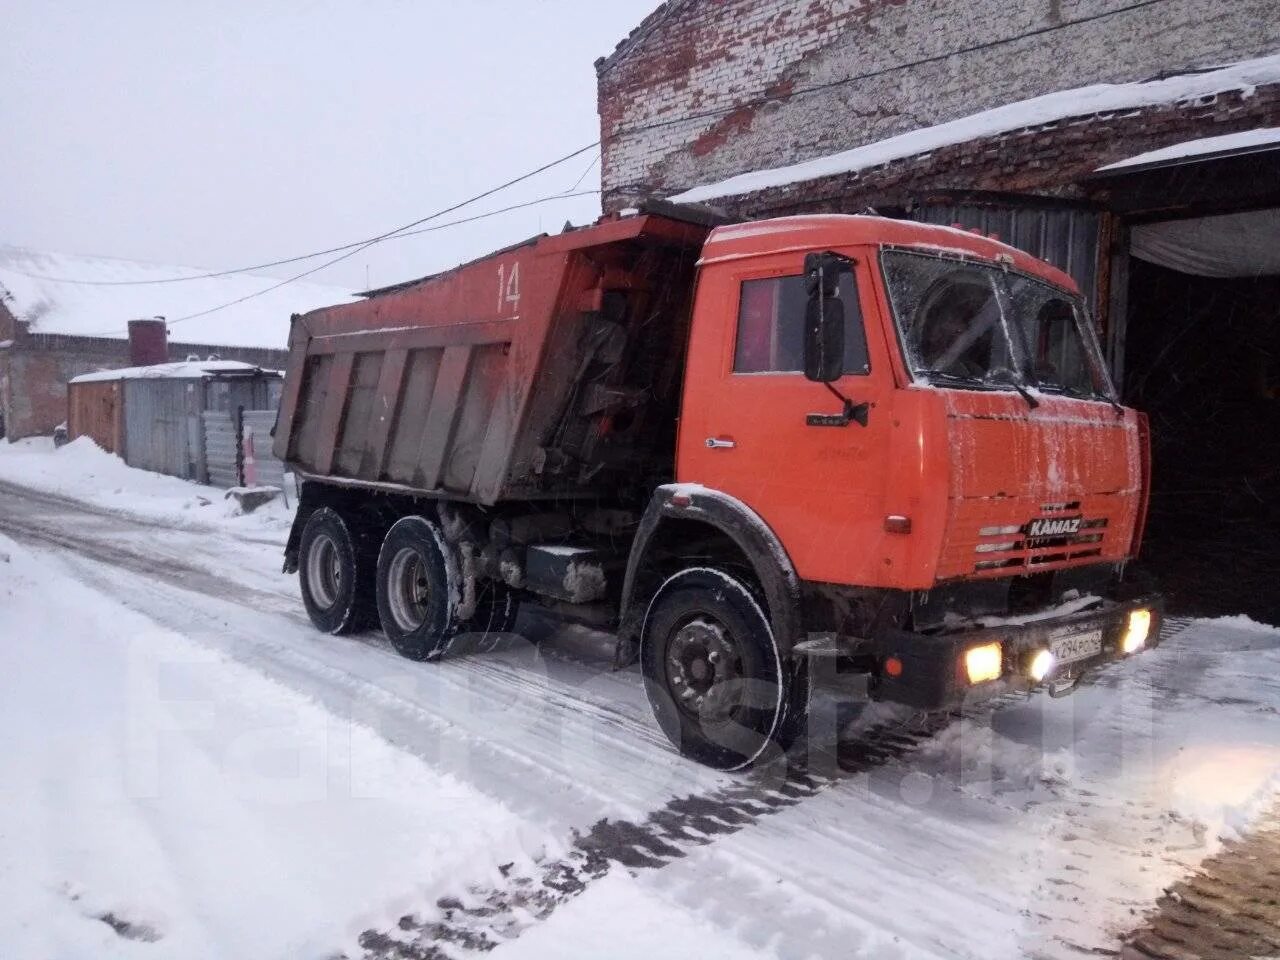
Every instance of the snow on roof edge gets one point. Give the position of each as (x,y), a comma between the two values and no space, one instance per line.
(1225,143)
(1244,76)
(180,370)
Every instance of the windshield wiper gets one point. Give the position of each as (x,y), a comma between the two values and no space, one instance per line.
(1007,381)
(1004,377)
(951,377)
(1084,395)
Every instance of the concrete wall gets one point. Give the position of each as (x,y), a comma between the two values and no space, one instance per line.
(722,56)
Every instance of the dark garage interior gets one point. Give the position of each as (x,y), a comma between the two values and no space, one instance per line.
(1202,358)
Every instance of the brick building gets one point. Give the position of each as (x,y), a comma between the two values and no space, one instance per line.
(63,316)
(1134,143)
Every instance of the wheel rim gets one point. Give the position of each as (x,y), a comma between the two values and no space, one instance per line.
(704,669)
(408,591)
(324,571)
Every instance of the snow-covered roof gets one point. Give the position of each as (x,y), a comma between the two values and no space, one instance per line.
(37,292)
(1244,76)
(1205,146)
(182,370)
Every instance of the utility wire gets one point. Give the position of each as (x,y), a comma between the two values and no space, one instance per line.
(321,253)
(587,171)
(355,248)
(844,81)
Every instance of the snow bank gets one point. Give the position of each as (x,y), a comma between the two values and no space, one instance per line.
(1269,136)
(1245,76)
(150,784)
(84,472)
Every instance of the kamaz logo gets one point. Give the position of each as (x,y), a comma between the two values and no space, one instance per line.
(1063,527)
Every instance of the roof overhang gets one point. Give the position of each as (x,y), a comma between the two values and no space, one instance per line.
(1212,183)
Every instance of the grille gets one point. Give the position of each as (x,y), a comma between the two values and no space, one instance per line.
(1058,535)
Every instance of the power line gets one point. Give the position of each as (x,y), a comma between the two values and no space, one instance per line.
(585,172)
(355,248)
(844,81)
(321,253)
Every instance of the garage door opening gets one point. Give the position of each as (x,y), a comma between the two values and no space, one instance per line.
(1202,358)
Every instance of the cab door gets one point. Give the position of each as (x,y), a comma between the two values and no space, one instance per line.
(747,423)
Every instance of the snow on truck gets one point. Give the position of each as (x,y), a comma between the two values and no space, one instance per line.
(739,448)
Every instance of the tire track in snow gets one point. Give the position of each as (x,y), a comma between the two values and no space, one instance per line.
(62,502)
(481,918)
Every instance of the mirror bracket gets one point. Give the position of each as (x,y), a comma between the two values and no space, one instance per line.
(859,413)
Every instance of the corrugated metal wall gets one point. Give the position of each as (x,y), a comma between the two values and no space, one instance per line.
(221,451)
(1065,237)
(270,471)
(255,394)
(162,426)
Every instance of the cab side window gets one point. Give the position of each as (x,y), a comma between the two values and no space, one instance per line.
(771,326)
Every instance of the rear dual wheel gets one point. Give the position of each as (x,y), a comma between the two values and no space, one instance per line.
(335,567)
(419,591)
(718,684)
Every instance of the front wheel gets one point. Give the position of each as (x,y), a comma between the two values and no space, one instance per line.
(718,684)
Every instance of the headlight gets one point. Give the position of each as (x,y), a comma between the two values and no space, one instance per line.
(1042,665)
(984,663)
(1137,631)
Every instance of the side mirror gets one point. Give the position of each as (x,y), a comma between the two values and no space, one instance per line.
(824,320)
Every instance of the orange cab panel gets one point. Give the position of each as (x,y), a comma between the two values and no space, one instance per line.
(940,483)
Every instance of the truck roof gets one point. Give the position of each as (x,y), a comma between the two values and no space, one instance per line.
(816,231)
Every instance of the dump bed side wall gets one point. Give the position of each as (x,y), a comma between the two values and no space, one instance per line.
(448,387)
(423,387)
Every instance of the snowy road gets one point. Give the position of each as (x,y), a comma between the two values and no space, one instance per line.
(522,796)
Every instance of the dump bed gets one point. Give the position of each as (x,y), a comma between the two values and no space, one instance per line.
(548,369)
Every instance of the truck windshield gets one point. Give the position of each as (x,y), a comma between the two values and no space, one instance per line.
(968,324)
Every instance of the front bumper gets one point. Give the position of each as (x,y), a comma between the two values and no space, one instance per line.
(931,672)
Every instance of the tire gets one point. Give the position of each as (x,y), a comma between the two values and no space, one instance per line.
(417,588)
(335,574)
(716,680)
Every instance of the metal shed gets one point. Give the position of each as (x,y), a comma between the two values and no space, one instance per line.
(159,414)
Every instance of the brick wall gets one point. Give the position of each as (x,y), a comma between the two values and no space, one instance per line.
(34,373)
(720,57)
(1047,160)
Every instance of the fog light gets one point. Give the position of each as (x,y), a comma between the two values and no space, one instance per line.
(984,663)
(1042,665)
(1139,628)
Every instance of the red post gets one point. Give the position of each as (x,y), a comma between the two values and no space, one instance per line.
(250,463)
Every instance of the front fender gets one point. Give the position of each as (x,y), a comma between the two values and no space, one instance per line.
(746,528)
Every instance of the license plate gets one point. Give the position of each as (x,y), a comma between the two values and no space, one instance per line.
(1080,646)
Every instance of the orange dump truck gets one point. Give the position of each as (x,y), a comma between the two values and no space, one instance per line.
(739,447)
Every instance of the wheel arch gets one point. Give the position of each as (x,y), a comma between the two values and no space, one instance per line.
(724,530)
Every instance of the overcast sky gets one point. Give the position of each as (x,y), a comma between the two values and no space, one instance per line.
(230,133)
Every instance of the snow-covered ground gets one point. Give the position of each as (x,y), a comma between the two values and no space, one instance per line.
(81,471)
(189,770)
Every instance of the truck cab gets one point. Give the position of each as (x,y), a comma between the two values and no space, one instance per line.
(842,439)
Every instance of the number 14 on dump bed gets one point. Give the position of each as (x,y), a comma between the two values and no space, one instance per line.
(508,287)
